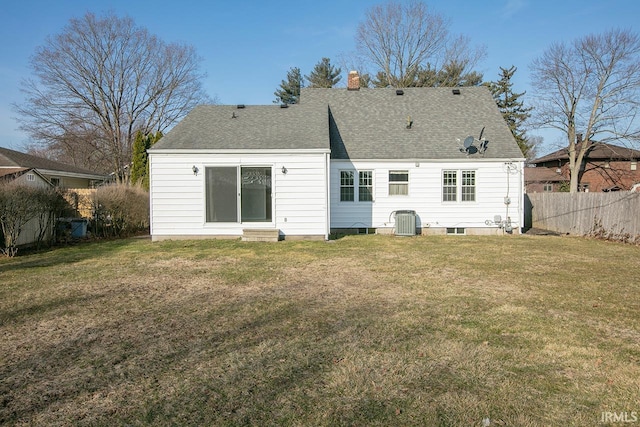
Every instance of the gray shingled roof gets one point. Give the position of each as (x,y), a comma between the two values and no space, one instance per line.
(542,174)
(371,123)
(362,124)
(12,158)
(252,127)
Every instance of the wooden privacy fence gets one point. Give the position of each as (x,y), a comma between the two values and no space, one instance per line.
(81,200)
(614,215)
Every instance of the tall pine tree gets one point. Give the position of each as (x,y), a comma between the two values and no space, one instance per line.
(324,75)
(140,163)
(289,91)
(512,109)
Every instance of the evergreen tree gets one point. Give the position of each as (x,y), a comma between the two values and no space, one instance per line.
(289,91)
(512,108)
(140,163)
(324,75)
(453,74)
(365,80)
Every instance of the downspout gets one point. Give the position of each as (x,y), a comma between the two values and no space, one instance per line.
(150,160)
(327,194)
(521,206)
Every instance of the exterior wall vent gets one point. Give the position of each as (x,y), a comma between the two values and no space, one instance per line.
(405,223)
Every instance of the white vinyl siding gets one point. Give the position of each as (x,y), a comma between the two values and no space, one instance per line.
(178,197)
(425,197)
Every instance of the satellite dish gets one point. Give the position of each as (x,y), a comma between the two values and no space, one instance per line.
(469,147)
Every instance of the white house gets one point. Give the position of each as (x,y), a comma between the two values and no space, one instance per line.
(344,159)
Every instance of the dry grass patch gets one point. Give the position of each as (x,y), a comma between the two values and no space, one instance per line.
(366,330)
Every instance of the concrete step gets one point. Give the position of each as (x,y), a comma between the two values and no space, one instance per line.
(260,235)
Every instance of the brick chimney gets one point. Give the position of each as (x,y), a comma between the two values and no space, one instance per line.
(353,81)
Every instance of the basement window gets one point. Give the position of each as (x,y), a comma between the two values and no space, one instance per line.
(456,231)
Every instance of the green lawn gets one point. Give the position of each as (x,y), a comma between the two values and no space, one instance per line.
(361,331)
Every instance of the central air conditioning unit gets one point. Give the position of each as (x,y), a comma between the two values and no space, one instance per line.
(405,223)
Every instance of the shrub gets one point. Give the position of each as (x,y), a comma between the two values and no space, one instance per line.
(121,210)
(20,204)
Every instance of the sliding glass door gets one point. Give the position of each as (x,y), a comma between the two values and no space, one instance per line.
(233,189)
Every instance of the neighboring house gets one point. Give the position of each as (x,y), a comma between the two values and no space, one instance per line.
(36,171)
(340,160)
(606,167)
(59,174)
(30,177)
(544,180)
(26,176)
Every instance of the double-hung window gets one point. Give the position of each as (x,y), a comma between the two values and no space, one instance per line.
(365,186)
(449,186)
(352,190)
(398,183)
(468,186)
(458,182)
(347,190)
(232,190)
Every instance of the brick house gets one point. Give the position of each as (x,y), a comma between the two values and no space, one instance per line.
(606,167)
(544,180)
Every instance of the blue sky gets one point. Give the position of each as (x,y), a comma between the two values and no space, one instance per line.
(248,46)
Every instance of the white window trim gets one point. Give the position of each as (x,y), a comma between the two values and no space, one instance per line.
(406,184)
(459,186)
(340,186)
(356,186)
(238,166)
(373,186)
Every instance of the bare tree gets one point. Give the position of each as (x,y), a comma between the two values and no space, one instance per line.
(401,40)
(590,91)
(103,79)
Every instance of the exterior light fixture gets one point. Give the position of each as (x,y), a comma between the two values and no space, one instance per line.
(195,170)
(284,170)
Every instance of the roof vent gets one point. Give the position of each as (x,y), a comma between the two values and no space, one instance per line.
(240,106)
(455,91)
(284,105)
(399,92)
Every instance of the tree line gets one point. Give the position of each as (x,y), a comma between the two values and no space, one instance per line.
(104,82)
